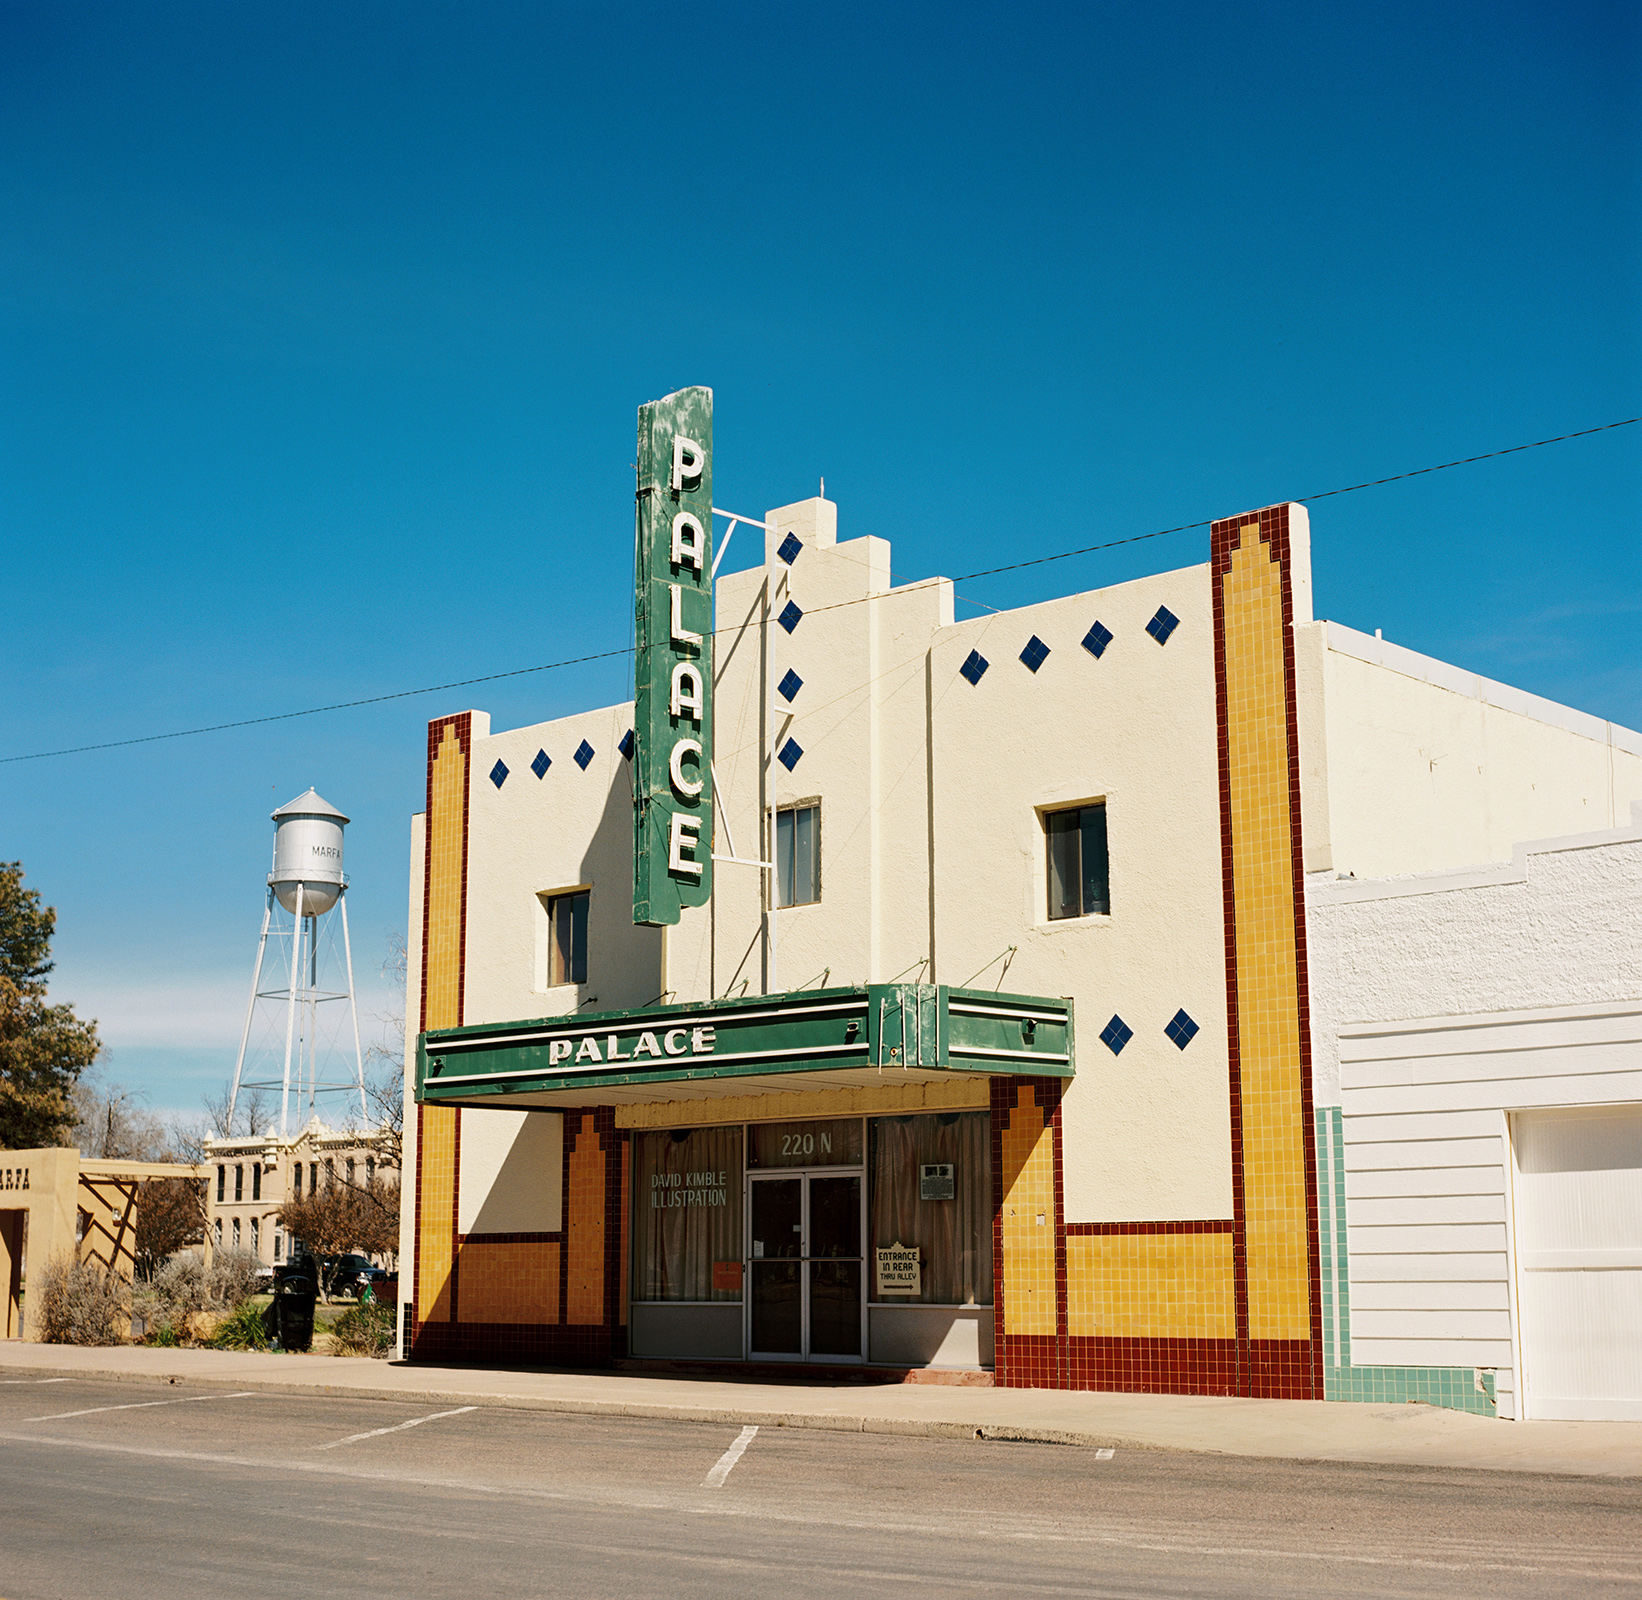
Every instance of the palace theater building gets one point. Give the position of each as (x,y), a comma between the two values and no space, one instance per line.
(977,1032)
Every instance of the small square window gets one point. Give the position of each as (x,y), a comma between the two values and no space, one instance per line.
(1079,866)
(498,774)
(1035,653)
(790,616)
(567,938)
(1096,640)
(542,762)
(798,856)
(1163,624)
(789,548)
(974,667)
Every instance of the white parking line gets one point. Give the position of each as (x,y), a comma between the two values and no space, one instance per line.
(398,1427)
(143,1405)
(7,1382)
(1104,1455)
(715,1478)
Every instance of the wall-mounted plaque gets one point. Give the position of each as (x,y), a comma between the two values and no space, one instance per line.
(937,1181)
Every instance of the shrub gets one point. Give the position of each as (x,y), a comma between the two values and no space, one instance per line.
(364,1330)
(164,1335)
(180,1286)
(185,1285)
(242,1330)
(233,1276)
(80,1304)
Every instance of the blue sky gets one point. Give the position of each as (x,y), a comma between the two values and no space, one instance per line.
(322,331)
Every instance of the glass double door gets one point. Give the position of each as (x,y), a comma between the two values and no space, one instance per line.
(805,1267)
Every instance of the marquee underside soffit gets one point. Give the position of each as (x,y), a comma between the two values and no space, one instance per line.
(870,1036)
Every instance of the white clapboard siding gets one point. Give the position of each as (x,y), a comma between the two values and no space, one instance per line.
(1427,1167)
(1423,1294)
(1417,1352)
(1386,1182)
(1393,1155)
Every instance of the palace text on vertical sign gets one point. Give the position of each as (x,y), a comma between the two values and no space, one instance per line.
(673,716)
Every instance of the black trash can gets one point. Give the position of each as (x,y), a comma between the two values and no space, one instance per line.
(289,1318)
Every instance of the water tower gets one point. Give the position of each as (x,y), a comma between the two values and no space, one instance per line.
(317,1061)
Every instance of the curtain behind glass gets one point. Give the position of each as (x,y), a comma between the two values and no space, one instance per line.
(954,1237)
(684,1219)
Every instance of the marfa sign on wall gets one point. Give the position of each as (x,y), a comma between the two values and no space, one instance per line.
(673,667)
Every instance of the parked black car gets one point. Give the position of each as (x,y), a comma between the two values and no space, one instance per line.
(348,1275)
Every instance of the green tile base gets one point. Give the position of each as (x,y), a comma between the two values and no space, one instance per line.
(1453,1387)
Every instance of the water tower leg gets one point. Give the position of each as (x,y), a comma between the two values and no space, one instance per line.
(353,1009)
(290,1010)
(250,1009)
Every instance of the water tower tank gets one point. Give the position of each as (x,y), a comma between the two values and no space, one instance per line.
(307,855)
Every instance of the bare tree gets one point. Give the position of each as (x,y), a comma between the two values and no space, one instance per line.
(217,1109)
(258,1113)
(111,1124)
(385,1085)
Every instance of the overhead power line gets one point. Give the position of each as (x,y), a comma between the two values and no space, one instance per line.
(608,655)
(1303,499)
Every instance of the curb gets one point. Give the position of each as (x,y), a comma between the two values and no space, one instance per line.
(831,1422)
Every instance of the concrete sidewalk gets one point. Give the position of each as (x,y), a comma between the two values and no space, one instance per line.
(1400,1435)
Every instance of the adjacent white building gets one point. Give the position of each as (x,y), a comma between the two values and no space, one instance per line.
(1479,1077)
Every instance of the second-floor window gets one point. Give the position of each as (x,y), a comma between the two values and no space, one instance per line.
(256,1181)
(567,948)
(239,1183)
(1079,867)
(798,855)
(222,1179)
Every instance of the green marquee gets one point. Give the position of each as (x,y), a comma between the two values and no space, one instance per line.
(811,1039)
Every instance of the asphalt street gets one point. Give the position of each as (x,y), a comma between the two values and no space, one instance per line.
(162,1490)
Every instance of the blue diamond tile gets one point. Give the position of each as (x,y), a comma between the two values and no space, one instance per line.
(790,616)
(1035,653)
(542,762)
(1181,1029)
(1096,640)
(1116,1034)
(790,754)
(974,667)
(584,754)
(789,686)
(498,774)
(789,547)
(1163,624)
(626,745)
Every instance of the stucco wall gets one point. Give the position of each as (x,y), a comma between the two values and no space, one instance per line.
(1430,767)
(534,837)
(1558,925)
(1147,1133)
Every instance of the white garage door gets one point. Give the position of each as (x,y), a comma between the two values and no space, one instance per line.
(1579,1260)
